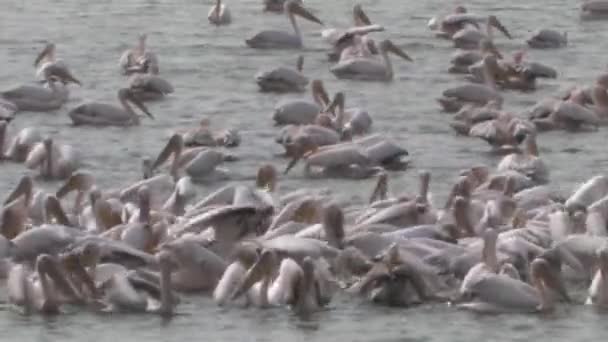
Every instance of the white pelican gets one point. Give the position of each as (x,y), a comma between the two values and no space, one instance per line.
(21,144)
(282,79)
(594,9)
(47,59)
(332,35)
(280,39)
(149,87)
(50,96)
(546,38)
(198,163)
(527,162)
(139,59)
(301,112)
(276,5)
(445,26)
(203,135)
(470,36)
(598,290)
(219,14)
(503,294)
(56,161)
(369,68)
(102,114)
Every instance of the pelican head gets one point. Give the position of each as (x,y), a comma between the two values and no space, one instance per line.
(78,181)
(24,188)
(493,21)
(174,147)
(544,277)
(388,46)
(302,147)
(293,7)
(267,177)
(319,94)
(48,53)
(262,268)
(59,73)
(141,42)
(53,209)
(359,16)
(130,95)
(333,225)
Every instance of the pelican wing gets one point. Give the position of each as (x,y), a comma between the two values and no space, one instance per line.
(153,83)
(273,39)
(360,68)
(297,112)
(97,113)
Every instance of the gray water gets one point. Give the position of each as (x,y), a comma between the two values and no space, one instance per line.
(212,71)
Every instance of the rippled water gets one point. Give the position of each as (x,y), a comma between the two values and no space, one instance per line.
(212,72)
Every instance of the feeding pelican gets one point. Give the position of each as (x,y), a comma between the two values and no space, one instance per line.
(470,36)
(282,79)
(370,69)
(594,9)
(219,14)
(301,112)
(46,58)
(546,38)
(276,5)
(203,135)
(139,59)
(148,87)
(360,19)
(56,161)
(280,39)
(102,114)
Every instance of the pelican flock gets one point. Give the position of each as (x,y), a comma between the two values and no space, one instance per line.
(503,239)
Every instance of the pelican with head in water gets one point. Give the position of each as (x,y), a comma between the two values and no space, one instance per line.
(56,161)
(219,14)
(283,79)
(103,114)
(273,39)
(370,69)
(139,59)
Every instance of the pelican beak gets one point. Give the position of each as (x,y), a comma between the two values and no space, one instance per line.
(63,74)
(371,45)
(24,187)
(300,63)
(319,93)
(497,24)
(361,19)
(552,278)
(397,51)
(50,266)
(53,208)
(77,181)
(173,146)
(379,192)
(293,163)
(140,105)
(298,9)
(48,49)
(260,269)
(337,102)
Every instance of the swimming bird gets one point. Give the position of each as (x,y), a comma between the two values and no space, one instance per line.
(56,161)
(273,39)
(139,59)
(547,38)
(219,14)
(102,114)
(283,80)
(370,69)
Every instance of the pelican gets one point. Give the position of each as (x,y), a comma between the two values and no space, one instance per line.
(149,87)
(355,120)
(360,19)
(546,38)
(528,162)
(594,9)
(503,294)
(46,58)
(198,163)
(203,135)
(368,68)
(102,114)
(219,14)
(139,59)
(302,112)
(56,161)
(341,160)
(446,26)
(281,39)
(282,79)
(470,36)
(38,98)
(276,5)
